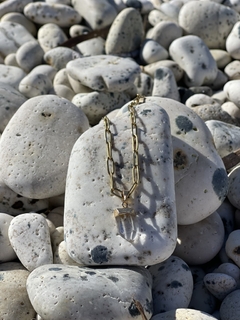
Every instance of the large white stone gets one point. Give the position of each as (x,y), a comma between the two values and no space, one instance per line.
(93,235)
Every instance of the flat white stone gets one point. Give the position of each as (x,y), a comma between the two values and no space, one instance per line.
(12,36)
(126,33)
(30,238)
(11,75)
(97,13)
(36,146)
(209,233)
(112,293)
(6,251)
(98,104)
(60,56)
(212,28)
(230,307)
(172,285)
(194,57)
(50,36)
(104,72)
(29,55)
(220,284)
(147,238)
(60,14)
(183,314)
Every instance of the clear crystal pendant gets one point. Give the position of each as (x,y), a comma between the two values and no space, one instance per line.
(126,223)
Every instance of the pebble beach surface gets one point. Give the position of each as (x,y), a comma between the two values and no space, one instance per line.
(70,248)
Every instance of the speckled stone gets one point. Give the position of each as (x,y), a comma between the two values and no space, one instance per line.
(12,6)
(195,159)
(29,55)
(226,212)
(12,36)
(199,99)
(183,314)
(112,293)
(36,146)
(172,285)
(177,71)
(230,307)
(165,33)
(60,56)
(144,84)
(10,101)
(77,30)
(164,84)
(30,238)
(97,13)
(21,19)
(60,14)
(232,246)
(104,72)
(35,84)
(194,57)
(50,36)
(220,284)
(11,75)
(156,16)
(117,240)
(92,47)
(6,251)
(212,28)
(45,69)
(61,256)
(226,136)
(151,51)
(230,269)
(126,33)
(234,186)
(14,302)
(209,233)
(97,104)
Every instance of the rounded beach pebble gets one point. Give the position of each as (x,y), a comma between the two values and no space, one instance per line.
(183,314)
(230,307)
(36,146)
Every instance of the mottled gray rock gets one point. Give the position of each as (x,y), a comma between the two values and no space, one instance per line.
(212,28)
(144,84)
(230,307)
(156,16)
(172,285)
(209,233)
(115,292)
(220,284)
(60,56)
(104,72)
(30,238)
(177,71)
(6,251)
(126,33)
(29,55)
(229,269)
(36,145)
(61,256)
(232,246)
(115,240)
(60,14)
(12,6)
(50,36)
(77,30)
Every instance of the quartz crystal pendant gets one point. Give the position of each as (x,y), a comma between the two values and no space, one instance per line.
(126,223)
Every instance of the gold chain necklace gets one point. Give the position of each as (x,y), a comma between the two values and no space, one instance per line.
(124,194)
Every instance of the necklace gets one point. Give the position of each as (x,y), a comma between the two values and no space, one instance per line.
(124,195)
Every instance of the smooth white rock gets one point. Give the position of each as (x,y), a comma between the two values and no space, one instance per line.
(108,293)
(183,314)
(29,55)
(172,285)
(104,72)
(232,91)
(151,51)
(61,256)
(35,85)
(77,30)
(92,47)
(164,84)
(232,70)
(14,302)
(10,60)
(234,186)
(233,42)
(230,307)
(36,145)
(30,238)
(221,57)
(199,99)
(219,96)
(10,100)
(12,6)
(165,33)
(156,16)
(50,36)
(210,21)
(6,251)
(61,78)
(21,19)
(77,86)
(12,36)
(209,233)
(126,33)
(97,13)
(60,56)
(177,71)
(89,217)
(57,237)
(14,204)
(60,14)
(56,216)
(62,91)
(171,9)
(10,75)
(220,284)
(226,136)
(194,57)
(96,104)
(45,69)
(232,247)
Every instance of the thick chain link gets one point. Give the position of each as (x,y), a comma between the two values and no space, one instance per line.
(124,195)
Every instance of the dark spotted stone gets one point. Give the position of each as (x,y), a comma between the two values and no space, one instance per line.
(220,183)
(184,124)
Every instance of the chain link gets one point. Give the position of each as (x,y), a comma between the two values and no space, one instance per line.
(124,195)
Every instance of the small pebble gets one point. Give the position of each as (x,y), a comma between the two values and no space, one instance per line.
(60,56)
(50,36)
(29,55)
(230,307)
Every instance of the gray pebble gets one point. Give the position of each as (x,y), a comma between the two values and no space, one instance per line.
(232,246)
(60,56)
(62,91)
(10,60)
(29,55)
(220,284)
(50,36)
(11,75)
(35,85)
(21,19)
(230,307)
